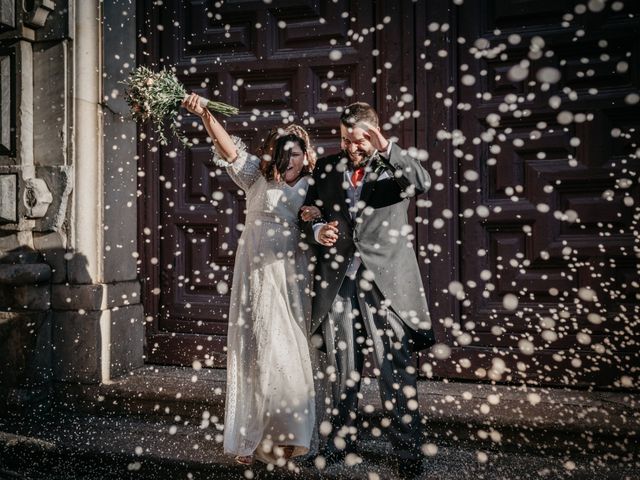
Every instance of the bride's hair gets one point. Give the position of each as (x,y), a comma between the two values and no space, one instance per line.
(272,163)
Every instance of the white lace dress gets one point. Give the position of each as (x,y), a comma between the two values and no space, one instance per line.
(270,391)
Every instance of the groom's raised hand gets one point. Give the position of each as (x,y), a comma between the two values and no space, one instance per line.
(374,135)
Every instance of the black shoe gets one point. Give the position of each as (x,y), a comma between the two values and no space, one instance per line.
(412,469)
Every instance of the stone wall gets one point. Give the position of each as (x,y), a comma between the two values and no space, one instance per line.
(69,297)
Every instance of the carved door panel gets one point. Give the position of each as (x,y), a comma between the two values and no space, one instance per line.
(533,197)
(543,205)
(276,62)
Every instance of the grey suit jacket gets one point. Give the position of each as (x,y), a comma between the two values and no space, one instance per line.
(379,233)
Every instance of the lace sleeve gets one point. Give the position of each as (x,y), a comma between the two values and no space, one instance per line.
(245,170)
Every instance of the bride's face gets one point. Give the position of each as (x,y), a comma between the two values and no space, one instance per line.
(296,162)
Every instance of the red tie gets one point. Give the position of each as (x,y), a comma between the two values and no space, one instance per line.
(357,175)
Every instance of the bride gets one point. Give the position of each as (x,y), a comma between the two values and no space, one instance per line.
(270,404)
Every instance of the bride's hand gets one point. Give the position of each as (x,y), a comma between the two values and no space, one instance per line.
(192,104)
(308,213)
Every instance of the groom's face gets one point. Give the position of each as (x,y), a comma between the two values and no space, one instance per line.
(354,141)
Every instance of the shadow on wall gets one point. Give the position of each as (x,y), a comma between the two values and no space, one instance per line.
(27,333)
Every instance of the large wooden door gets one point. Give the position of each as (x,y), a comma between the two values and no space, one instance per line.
(534,139)
(281,61)
(526,110)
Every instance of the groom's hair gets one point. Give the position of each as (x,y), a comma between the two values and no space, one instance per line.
(359,112)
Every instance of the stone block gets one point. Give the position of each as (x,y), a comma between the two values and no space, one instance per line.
(52,248)
(120,146)
(25,343)
(59,180)
(8,198)
(8,242)
(77,297)
(121,238)
(44,242)
(123,293)
(126,340)
(22,255)
(9,81)
(25,297)
(24,274)
(24,107)
(49,19)
(92,346)
(50,104)
(36,197)
(77,346)
(78,269)
(7,15)
(95,297)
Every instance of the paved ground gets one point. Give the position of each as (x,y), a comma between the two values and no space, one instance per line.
(89,447)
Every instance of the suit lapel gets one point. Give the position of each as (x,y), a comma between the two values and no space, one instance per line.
(340,195)
(367,188)
(368,184)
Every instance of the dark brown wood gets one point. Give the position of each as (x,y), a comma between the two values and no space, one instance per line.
(464,227)
(191,208)
(149,194)
(531,253)
(437,251)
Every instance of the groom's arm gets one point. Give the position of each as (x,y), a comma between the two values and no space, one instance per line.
(405,170)
(412,178)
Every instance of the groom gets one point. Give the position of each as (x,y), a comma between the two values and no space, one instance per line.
(368,291)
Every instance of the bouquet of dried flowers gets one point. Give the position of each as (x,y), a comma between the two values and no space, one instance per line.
(157,96)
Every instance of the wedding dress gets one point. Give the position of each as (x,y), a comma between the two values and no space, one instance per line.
(270,391)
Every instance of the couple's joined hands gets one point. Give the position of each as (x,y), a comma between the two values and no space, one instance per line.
(328,232)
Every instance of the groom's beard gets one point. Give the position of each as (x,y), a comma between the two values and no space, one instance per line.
(361,160)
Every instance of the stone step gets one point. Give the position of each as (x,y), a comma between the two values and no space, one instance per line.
(67,446)
(464,413)
(152,390)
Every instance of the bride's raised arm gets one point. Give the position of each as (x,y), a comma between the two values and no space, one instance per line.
(222,142)
(229,152)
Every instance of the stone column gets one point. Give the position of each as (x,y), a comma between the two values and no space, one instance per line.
(98,331)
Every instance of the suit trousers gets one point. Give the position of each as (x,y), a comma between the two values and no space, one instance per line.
(359,321)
